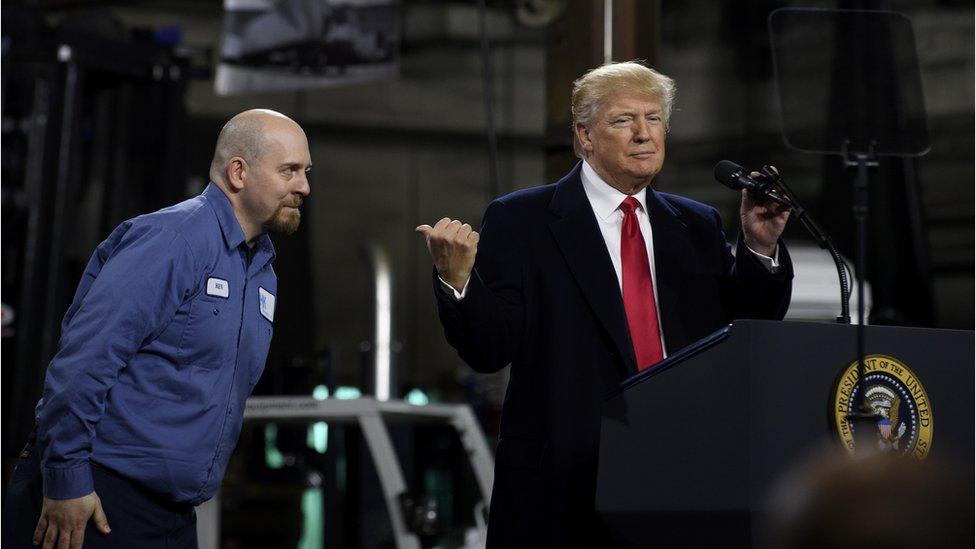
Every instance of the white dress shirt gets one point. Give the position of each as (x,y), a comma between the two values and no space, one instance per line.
(605,201)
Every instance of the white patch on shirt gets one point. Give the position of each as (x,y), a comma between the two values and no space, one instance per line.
(267,300)
(218,287)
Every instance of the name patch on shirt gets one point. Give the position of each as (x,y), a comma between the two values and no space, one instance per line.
(267,300)
(218,287)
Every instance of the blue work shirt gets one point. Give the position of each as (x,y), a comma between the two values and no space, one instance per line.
(166,337)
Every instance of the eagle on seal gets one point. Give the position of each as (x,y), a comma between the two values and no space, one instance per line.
(890,428)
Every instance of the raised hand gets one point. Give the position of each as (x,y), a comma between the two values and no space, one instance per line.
(762,222)
(63,521)
(453,246)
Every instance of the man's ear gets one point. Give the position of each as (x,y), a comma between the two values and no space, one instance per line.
(237,170)
(583,136)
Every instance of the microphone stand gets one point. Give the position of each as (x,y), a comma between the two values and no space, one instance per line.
(865,415)
(862,417)
(823,240)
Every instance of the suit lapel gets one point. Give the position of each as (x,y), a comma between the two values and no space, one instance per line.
(579,239)
(671,245)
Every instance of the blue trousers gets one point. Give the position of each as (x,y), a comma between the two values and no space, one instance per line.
(138,518)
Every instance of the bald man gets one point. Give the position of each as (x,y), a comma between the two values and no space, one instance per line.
(165,339)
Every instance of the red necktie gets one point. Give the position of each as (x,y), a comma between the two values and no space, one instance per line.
(638,289)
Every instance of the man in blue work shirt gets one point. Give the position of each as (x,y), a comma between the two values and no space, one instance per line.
(165,339)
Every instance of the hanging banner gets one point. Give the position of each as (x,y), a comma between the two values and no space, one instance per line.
(280,45)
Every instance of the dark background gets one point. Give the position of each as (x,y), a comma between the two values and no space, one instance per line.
(123,121)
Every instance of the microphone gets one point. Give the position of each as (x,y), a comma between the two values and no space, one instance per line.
(768,186)
(736,177)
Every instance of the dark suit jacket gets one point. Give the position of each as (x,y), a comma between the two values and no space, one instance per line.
(544,298)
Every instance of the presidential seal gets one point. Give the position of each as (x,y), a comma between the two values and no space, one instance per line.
(904,423)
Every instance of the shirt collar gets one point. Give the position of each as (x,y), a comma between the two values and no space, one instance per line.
(604,199)
(264,251)
(229,226)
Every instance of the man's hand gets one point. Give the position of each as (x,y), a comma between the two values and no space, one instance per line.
(453,246)
(762,222)
(63,521)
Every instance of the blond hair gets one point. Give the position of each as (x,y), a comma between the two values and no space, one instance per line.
(592,90)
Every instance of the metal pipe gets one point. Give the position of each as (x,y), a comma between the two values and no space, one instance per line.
(488,91)
(63,184)
(382,321)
